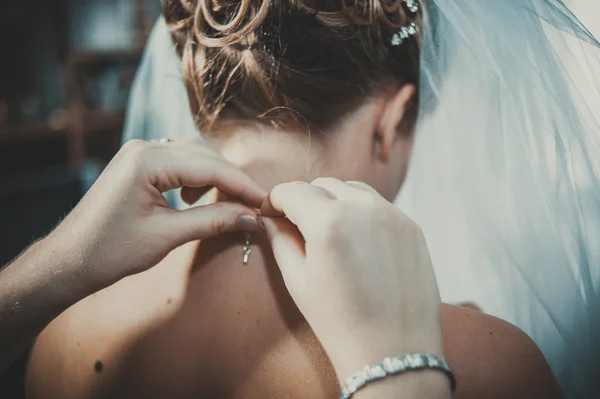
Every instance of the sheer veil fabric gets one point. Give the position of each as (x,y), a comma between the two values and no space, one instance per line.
(158,104)
(504,179)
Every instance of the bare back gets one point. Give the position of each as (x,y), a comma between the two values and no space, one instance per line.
(204,325)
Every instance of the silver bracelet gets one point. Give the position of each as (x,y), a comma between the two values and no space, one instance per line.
(395,366)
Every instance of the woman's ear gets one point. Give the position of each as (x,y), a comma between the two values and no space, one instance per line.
(389,124)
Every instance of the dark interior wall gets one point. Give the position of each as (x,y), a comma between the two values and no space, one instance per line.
(32,50)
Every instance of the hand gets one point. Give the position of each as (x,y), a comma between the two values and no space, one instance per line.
(124,225)
(357,268)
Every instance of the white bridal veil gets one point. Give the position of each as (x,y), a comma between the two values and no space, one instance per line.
(158,104)
(505,175)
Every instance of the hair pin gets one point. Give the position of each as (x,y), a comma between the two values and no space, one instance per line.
(412,5)
(405,32)
(409,30)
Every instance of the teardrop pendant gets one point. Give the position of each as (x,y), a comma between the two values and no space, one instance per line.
(247,250)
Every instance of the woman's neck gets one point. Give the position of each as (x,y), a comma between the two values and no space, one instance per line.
(272,157)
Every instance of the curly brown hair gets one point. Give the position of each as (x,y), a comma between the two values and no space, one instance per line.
(296,63)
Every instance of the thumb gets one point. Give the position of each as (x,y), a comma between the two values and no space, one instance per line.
(287,244)
(208,221)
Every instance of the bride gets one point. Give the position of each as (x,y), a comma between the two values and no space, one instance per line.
(504,174)
(293,91)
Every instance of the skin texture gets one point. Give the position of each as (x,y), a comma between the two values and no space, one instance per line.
(122,226)
(201,324)
(322,242)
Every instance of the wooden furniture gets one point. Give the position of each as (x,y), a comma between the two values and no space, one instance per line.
(85,129)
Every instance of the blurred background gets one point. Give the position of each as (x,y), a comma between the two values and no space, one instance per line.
(66,69)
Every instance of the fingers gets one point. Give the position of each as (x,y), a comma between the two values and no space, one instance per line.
(363,187)
(267,209)
(300,202)
(193,164)
(207,221)
(205,171)
(337,188)
(350,190)
(287,244)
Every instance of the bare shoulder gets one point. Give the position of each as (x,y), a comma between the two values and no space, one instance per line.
(494,359)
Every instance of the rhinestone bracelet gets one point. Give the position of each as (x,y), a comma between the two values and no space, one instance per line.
(394,366)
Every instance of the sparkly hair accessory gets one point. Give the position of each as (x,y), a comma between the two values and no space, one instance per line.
(409,30)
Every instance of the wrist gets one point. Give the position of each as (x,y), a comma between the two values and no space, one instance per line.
(349,356)
(431,384)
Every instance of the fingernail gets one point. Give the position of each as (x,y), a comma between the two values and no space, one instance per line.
(248,223)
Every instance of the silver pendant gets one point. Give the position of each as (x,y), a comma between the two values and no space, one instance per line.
(247,251)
